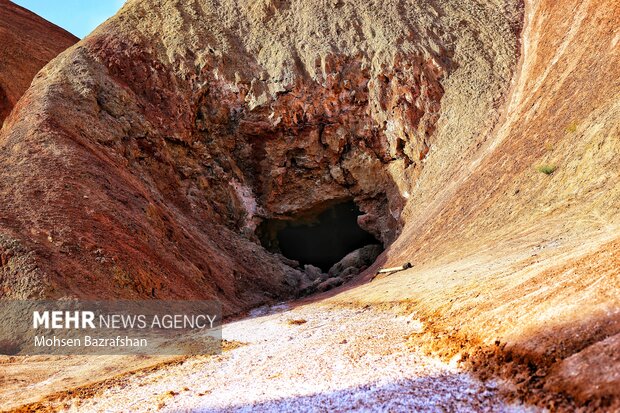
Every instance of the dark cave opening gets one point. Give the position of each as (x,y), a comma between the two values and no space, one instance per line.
(321,240)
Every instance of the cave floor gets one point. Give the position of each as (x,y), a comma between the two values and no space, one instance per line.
(309,358)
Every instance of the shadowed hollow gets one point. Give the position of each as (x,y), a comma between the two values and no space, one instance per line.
(320,240)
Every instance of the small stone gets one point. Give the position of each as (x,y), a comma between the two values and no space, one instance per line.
(329,284)
(349,273)
(288,261)
(364,256)
(314,273)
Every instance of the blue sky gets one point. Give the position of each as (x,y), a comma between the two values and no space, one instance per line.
(79,17)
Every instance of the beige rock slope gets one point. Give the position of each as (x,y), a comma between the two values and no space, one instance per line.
(140,163)
(516,269)
(27,43)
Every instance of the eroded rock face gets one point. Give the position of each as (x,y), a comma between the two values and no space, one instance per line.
(158,144)
(311,142)
(27,43)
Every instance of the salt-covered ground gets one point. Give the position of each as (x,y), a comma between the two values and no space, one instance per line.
(311,358)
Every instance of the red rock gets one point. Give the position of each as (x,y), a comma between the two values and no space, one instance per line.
(27,43)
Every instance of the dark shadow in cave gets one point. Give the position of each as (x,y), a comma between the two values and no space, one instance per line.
(321,240)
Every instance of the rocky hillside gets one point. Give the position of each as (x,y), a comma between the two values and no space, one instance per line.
(515,238)
(478,137)
(157,145)
(27,43)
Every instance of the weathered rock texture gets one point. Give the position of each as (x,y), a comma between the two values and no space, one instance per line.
(519,270)
(27,43)
(140,163)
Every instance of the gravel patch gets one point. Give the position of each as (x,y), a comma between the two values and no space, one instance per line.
(314,359)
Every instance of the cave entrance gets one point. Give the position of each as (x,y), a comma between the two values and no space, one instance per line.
(321,240)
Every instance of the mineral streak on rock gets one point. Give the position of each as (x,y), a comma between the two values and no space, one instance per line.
(27,43)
